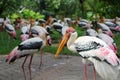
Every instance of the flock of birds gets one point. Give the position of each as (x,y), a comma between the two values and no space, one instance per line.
(96,46)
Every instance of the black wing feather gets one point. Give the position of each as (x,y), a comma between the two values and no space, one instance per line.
(32,45)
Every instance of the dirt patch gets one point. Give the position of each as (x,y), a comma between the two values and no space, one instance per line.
(52,69)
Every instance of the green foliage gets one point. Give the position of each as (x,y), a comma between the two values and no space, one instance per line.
(8,7)
(68,8)
(14,16)
(27,13)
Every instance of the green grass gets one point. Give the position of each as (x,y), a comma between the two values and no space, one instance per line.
(117,41)
(7,43)
(65,51)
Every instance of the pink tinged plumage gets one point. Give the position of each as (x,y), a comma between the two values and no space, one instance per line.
(114,47)
(24,37)
(109,33)
(13,34)
(117,28)
(109,55)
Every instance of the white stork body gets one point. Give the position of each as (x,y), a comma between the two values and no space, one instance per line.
(24,33)
(25,48)
(57,26)
(106,29)
(49,29)
(40,31)
(11,30)
(83,23)
(64,28)
(94,49)
(109,41)
(91,32)
(113,26)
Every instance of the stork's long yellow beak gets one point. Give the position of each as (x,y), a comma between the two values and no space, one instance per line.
(61,45)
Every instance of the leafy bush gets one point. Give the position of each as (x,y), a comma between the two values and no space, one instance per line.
(26,14)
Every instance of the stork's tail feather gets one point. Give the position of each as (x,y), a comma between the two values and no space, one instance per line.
(106,71)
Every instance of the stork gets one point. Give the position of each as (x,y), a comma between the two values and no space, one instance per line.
(82,22)
(90,31)
(105,61)
(57,26)
(106,29)
(25,49)
(39,31)
(113,26)
(9,28)
(24,33)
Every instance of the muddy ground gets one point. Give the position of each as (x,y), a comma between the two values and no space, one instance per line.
(52,69)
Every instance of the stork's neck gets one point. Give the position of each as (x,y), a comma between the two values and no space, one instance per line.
(71,40)
(44,38)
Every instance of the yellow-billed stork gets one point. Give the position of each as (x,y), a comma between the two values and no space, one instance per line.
(105,61)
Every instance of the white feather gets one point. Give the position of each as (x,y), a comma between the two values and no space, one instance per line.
(104,27)
(35,39)
(106,38)
(106,71)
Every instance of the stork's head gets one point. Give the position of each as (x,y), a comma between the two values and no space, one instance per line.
(13,55)
(64,40)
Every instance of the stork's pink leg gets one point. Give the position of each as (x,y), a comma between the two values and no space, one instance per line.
(94,73)
(24,61)
(85,72)
(23,66)
(30,66)
(30,61)
(41,53)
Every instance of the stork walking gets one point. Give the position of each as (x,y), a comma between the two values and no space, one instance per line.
(105,61)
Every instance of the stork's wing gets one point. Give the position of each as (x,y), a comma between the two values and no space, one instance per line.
(86,46)
(92,47)
(32,43)
(9,27)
